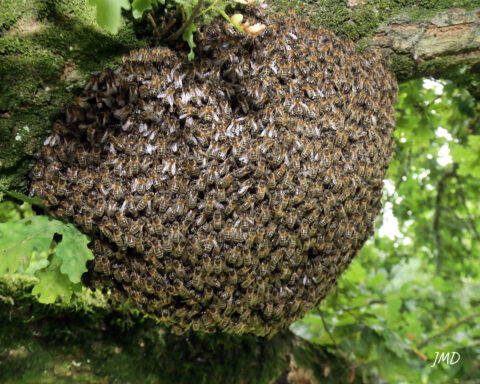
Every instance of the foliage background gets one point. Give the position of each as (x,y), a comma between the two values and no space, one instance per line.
(414,289)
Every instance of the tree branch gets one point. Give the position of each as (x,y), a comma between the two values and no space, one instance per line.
(448,328)
(428,46)
(152,21)
(195,12)
(115,344)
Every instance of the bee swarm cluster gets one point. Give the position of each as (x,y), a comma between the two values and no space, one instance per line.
(228,194)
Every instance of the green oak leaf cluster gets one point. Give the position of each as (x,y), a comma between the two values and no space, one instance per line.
(51,250)
(414,290)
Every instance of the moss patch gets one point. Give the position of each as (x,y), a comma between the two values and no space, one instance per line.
(88,341)
(48,48)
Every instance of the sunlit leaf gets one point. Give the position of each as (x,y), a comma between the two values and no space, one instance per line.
(73,252)
(19,240)
(188,37)
(140,6)
(52,283)
(109,13)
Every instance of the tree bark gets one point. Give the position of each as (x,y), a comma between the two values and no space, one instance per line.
(48,50)
(442,46)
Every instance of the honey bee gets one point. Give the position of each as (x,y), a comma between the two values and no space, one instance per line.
(201,184)
(139,185)
(228,232)
(282,236)
(208,204)
(264,215)
(176,235)
(226,181)
(231,206)
(117,190)
(217,220)
(130,240)
(157,251)
(207,114)
(341,139)
(261,190)
(51,199)
(86,183)
(298,198)
(197,280)
(81,155)
(61,187)
(247,281)
(279,173)
(117,238)
(133,166)
(144,201)
(167,243)
(130,205)
(136,226)
(99,208)
(38,171)
(218,265)
(268,310)
(111,208)
(232,276)
(251,237)
(234,255)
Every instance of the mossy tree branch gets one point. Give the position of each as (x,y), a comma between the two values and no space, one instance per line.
(90,341)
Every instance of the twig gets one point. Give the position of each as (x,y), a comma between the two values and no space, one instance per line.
(328,330)
(168,26)
(356,318)
(448,328)
(195,11)
(464,202)
(436,217)
(208,9)
(150,17)
(342,353)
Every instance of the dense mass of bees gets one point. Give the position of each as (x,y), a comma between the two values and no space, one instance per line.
(228,194)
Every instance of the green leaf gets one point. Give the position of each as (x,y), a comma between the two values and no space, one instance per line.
(468,157)
(356,273)
(30,200)
(52,283)
(74,252)
(19,240)
(37,261)
(140,6)
(233,21)
(187,36)
(109,13)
